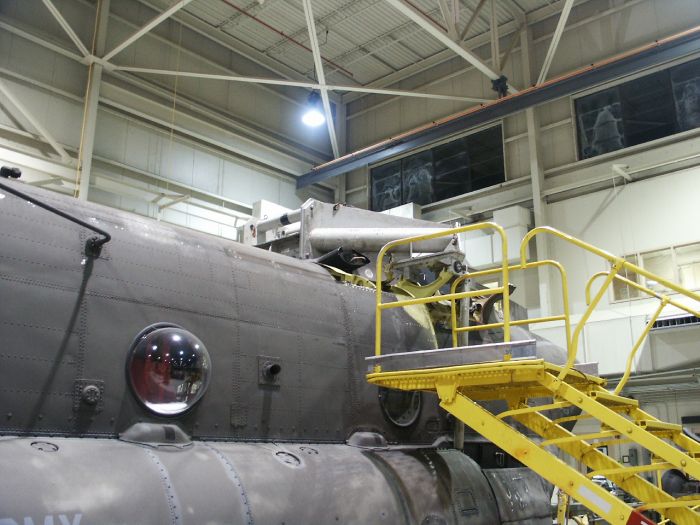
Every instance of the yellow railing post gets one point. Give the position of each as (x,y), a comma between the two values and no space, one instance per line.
(637,345)
(492,291)
(573,345)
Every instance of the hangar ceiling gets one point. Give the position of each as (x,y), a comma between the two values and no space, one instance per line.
(348,50)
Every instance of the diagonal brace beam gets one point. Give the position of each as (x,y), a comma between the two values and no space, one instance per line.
(295,83)
(558,32)
(145,29)
(443,38)
(65,157)
(66,27)
(474,18)
(318,65)
(449,19)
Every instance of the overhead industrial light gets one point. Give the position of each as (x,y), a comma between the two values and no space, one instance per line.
(314,117)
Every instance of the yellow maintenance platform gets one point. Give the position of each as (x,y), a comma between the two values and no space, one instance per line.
(461,383)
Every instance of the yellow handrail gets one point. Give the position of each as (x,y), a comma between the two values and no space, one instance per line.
(572,339)
(452,297)
(618,263)
(641,288)
(650,324)
(490,291)
(605,255)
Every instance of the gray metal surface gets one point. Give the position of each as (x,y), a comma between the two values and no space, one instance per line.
(110,481)
(372,239)
(522,496)
(318,217)
(66,321)
(462,355)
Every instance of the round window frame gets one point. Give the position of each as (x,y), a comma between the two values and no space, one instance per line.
(416,416)
(143,333)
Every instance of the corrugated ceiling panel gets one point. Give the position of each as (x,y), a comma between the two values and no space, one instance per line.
(368,37)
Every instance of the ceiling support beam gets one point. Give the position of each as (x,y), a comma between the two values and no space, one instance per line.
(515,38)
(5,90)
(449,19)
(235,45)
(568,4)
(320,76)
(339,193)
(307,85)
(495,44)
(66,27)
(92,98)
(470,23)
(474,42)
(443,38)
(145,29)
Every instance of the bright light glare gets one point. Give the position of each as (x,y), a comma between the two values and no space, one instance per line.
(313,118)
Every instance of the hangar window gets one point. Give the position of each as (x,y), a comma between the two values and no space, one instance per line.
(638,111)
(168,369)
(678,264)
(462,165)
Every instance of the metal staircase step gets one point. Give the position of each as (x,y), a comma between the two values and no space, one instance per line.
(651,425)
(611,400)
(580,438)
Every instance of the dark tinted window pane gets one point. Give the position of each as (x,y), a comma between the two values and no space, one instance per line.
(685,81)
(647,109)
(458,167)
(417,175)
(451,169)
(386,186)
(599,123)
(485,151)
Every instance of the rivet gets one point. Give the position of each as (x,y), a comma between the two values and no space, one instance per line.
(683,463)
(629,430)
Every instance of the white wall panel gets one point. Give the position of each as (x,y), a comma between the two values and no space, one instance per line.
(206,171)
(111,139)
(177,162)
(246,185)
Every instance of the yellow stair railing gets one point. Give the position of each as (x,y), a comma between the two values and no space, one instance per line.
(521,382)
(456,329)
(381,306)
